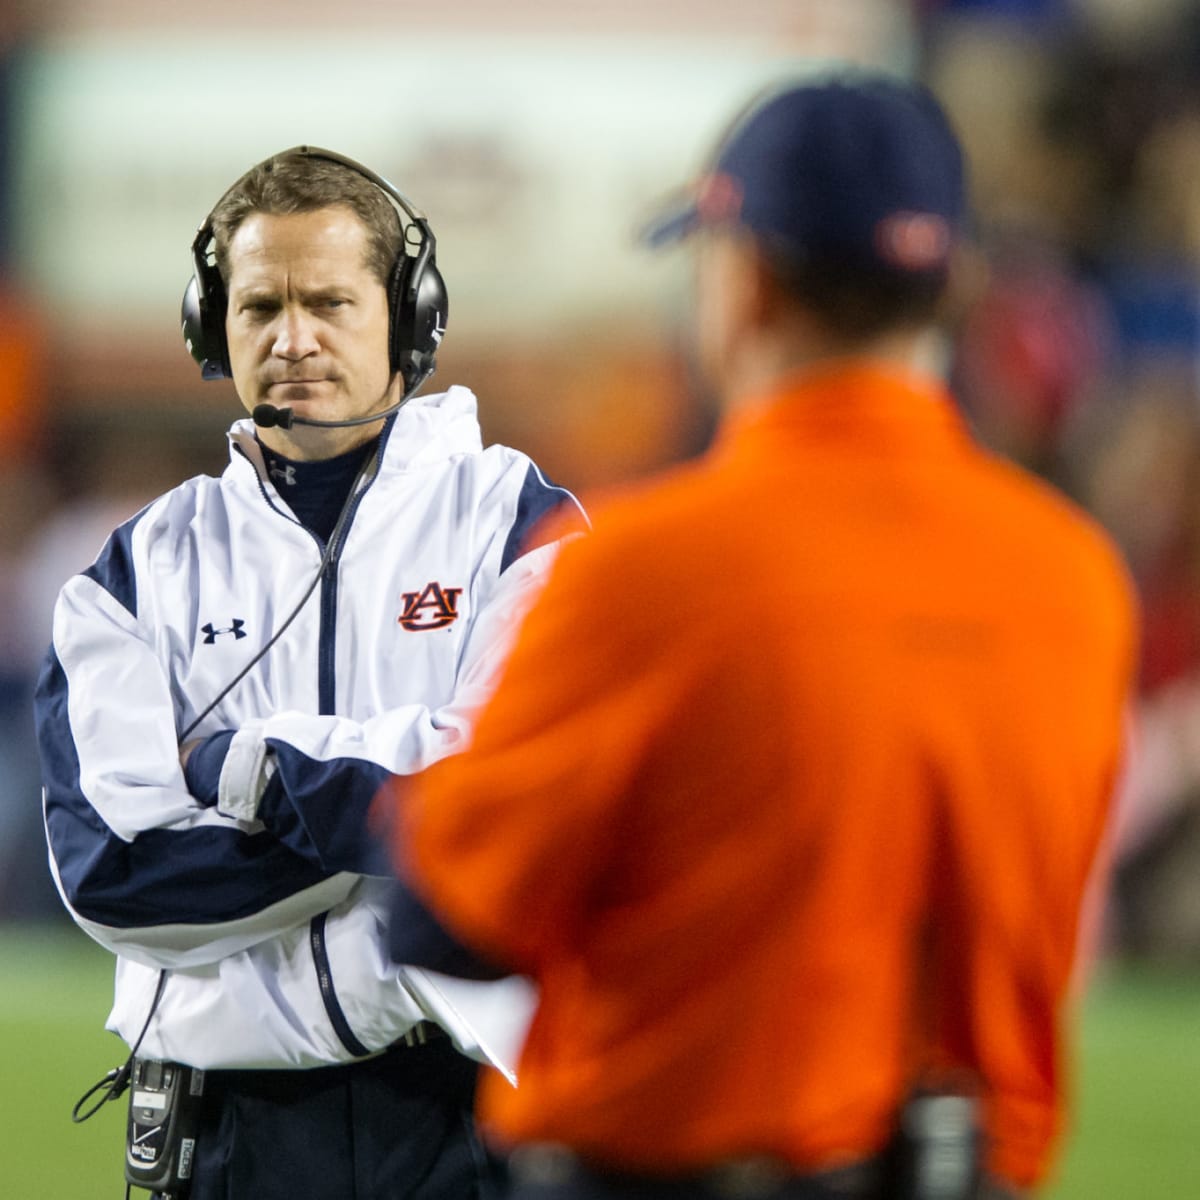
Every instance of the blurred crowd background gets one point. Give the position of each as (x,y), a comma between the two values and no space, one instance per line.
(534,140)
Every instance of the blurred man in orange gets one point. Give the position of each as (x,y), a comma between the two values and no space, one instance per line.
(802,823)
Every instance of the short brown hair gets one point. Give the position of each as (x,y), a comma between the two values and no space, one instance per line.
(299,183)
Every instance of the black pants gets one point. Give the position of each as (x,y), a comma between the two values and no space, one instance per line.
(395,1127)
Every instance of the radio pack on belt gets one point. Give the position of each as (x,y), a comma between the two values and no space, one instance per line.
(937,1150)
(160,1140)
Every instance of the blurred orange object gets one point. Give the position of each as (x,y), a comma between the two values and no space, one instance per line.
(792,788)
(23,364)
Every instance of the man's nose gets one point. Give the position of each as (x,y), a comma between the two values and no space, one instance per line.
(295,334)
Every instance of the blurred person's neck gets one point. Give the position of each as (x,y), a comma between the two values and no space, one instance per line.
(774,364)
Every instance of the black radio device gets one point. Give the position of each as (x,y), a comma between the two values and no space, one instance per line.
(160,1139)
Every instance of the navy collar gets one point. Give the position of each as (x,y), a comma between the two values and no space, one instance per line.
(316,491)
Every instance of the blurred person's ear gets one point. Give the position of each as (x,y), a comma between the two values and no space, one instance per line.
(732,304)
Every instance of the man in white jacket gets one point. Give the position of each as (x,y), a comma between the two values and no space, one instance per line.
(244,663)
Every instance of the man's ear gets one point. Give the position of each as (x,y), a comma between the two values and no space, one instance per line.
(736,262)
(767,299)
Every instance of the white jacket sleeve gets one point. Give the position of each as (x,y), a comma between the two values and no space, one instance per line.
(141,866)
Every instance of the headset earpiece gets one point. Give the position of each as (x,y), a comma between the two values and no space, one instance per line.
(417,301)
(419,306)
(202,313)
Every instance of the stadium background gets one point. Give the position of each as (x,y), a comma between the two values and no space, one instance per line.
(534,135)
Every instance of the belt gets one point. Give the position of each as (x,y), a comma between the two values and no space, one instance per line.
(419,1034)
(540,1170)
(547,1172)
(281,1080)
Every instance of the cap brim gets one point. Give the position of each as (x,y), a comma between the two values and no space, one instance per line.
(675,221)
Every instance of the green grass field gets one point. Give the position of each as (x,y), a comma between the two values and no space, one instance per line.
(1136,1132)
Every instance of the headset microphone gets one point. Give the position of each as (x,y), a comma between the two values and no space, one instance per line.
(267,416)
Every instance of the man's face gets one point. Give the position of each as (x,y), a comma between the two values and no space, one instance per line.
(308,326)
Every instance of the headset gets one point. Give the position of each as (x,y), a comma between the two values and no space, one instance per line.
(418,304)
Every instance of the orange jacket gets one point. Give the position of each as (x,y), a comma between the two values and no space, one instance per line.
(792,787)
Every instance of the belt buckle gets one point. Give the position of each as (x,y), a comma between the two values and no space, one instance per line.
(417,1035)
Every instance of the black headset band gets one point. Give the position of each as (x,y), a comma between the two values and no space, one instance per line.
(204,234)
(417,300)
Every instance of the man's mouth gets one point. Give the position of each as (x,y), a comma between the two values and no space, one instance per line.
(298,390)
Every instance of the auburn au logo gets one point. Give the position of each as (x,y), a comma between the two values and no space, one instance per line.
(433,607)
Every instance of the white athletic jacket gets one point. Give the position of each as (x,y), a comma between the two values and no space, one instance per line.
(267,910)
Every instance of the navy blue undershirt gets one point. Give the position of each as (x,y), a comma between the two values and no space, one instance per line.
(317,491)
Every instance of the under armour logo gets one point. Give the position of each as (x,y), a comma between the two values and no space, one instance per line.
(287,474)
(433,607)
(211,634)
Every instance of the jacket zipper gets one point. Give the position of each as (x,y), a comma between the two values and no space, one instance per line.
(326,659)
(333,1008)
(330,553)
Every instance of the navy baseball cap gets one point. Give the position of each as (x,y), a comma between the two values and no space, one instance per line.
(857,170)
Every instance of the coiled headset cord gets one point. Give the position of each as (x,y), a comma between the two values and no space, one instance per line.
(114,1083)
